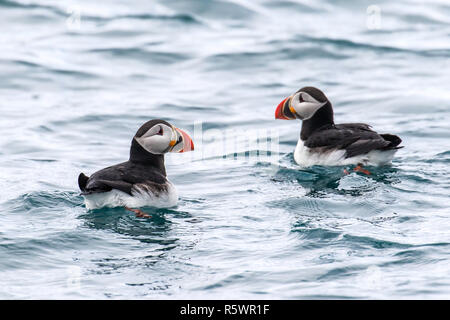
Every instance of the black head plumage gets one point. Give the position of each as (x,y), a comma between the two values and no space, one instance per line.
(323,116)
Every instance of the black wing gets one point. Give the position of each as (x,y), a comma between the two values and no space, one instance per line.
(102,185)
(355,138)
(121,177)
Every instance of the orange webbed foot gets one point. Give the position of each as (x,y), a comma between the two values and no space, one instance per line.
(139,213)
(359,168)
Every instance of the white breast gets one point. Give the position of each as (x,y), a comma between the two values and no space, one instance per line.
(307,157)
(141,197)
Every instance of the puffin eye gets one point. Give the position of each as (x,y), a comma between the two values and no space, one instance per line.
(161,131)
(301,98)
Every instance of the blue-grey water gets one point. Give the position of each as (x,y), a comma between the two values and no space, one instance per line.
(79,77)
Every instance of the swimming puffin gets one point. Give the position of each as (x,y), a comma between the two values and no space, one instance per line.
(140,181)
(322,142)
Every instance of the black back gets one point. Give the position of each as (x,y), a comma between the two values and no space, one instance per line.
(355,138)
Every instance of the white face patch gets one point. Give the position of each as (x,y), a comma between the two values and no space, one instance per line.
(304,105)
(158,139)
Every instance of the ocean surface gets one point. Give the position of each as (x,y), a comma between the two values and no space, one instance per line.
(78,78)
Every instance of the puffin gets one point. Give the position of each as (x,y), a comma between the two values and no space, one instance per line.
(142,180)
(324,143)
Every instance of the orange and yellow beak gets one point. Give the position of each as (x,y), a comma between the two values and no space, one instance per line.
(284,110)
(182,143)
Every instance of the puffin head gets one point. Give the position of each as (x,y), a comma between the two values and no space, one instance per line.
(159,137)
(301,105)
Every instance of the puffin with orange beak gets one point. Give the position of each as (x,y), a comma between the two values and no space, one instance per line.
(142,180)
(322,142)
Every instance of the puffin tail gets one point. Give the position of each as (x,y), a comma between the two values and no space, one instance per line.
(82,181)
(393,140)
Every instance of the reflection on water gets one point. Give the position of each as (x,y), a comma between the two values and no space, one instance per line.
(152,230)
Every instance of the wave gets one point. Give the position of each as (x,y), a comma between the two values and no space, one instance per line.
(43,69)
(37,200)
(181,17)
(134,53)
(345,43)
